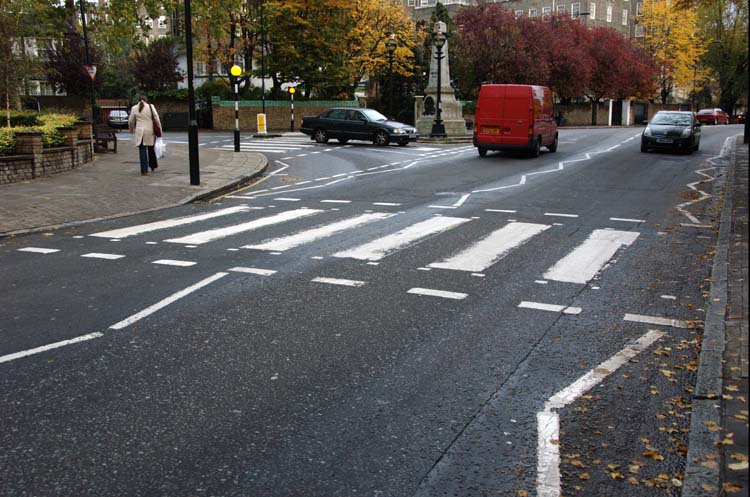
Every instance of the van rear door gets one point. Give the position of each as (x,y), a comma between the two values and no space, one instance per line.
(490,113)
(518,115)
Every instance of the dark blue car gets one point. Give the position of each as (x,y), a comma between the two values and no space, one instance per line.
(346,123)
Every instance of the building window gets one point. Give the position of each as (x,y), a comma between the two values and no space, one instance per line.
(546,11)
(532,12)
(411,3)
(638,8)
(624,17)
(519,13)
(609,13)
(424,3)
(149,23)
(592,11)
(575,10)
(639,30)
(561,10)
(162,21)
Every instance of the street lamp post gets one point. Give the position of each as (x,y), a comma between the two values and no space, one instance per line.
(390,45)
(438,128)
(88,61)
(195,177)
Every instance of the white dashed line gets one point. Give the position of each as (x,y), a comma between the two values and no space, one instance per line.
(626,220)
(38,250)
(638,318)
(668,297)
(507,211)
(171,262)
(559,214)
(550,307)
(97,255)
(335,201)
(438,293)
(252,270)
(337,281)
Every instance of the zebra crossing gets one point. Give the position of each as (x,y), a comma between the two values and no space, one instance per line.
(579,265)
(283,145)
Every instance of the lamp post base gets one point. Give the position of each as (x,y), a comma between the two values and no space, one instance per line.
(438,130)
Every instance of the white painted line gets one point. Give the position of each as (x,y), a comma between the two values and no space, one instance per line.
(169,223)
(317,233)
(690,225)
(558,214)
(165,302)
(550,307)
(438,293)
(302,183)
(335,201)
(627,220)
(487,251)
(441,206)
(317,257)
(287,199)
(373,263)
(215,234)
(38,250)
(586,260)
(478,275)
(152,243)
(252,270)
(548,421)
(171,262)
(638,318)
(44,348)
(322,179)
(387,204)
(336,281)
(115,240)
(541,282)
(507,211)
(668,297)
(280,187)
(462,200)
(79,236)
(423,269)
(377,249)
(338,175)
(96,255)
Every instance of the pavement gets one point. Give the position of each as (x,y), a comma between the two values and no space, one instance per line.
(718,440)
(113,187)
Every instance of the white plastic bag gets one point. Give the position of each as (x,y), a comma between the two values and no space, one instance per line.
(160,148)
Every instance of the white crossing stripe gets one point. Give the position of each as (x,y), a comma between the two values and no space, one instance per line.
(587,259)
(216,234)
(337,281)
(97,255)
(377,249)
(38,250)
(169,223)
(491,248)
(550,307)
(638,318)
(172,262)
(311,235)
(252,270)
(438,293)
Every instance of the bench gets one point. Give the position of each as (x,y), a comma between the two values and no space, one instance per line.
(103,134)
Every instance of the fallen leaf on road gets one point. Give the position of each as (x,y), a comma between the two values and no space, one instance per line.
(738,466)
(731,487)
(584,476)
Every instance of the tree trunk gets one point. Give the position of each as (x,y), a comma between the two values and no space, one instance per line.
(594,111)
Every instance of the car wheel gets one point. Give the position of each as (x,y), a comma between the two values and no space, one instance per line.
(536,148)
(321,136)
(482,151)
(553,146)
(403,143)
(381,138)
(644,148)
(343,140)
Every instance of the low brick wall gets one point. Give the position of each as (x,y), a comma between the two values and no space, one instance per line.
(278,114)
(34,161)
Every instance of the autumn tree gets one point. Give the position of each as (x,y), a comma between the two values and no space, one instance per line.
(155,68)
(671,35)
(65,61)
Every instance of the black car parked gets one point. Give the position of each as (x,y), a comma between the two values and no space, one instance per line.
(672,130)
(346,123)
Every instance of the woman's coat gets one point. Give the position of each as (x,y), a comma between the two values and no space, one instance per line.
(141,124)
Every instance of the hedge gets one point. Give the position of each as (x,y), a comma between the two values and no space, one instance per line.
(47,124)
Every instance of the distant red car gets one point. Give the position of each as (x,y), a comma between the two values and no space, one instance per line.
(712,116)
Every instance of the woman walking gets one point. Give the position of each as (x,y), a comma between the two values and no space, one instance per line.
(145,126)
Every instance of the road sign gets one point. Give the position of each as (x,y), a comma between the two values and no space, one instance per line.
(90,70)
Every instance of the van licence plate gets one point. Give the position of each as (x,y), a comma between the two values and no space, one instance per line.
(491,131)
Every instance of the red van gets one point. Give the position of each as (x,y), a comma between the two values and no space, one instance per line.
(514,117)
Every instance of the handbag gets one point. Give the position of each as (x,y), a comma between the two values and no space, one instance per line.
(157,128)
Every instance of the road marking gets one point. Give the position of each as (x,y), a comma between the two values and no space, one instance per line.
(541,282)
(462,200)
(441,206)
(638,318)
(550,307)
(377,249)
(165,302)
(506,211)
(725,151)
(486,252)
(287,199)
(172,262)
(96,255)
(169,223)
(336,281)
(38,250)
(215,234)
(438,293)
(386,204)
(627,220)
(317,233)
(586,260)
(252,270)
(280,187)
(690,225)
(335,201)
(559,214)
(44,348)
(548,421)
(668,297)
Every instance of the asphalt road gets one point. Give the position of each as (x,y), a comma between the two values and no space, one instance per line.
(371,321)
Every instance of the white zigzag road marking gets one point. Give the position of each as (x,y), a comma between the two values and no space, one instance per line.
(693,186)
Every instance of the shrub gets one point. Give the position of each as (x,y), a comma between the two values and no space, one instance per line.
(21,118)
(7,141)
(61,120)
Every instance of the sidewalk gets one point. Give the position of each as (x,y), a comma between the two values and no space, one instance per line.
(717,463)
(113,187)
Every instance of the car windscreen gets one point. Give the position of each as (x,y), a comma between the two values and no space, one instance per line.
(374,115)
(672,119)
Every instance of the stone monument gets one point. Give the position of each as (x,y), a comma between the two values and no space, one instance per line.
(426,106)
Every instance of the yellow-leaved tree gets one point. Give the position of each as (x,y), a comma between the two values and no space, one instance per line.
(671,34)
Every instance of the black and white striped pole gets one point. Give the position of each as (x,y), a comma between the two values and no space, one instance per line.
(236,71)
(292,91)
